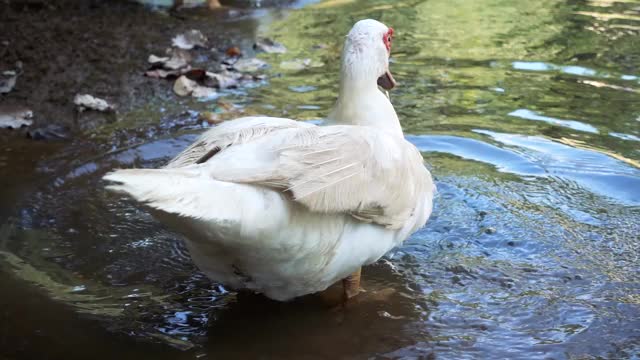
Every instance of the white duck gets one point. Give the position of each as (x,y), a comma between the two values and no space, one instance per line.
(287,208)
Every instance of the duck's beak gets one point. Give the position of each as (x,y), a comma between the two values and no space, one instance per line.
(387,81)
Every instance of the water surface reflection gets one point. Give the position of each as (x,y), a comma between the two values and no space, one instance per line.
(528,117)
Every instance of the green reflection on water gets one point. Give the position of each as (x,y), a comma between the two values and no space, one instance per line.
(465,65)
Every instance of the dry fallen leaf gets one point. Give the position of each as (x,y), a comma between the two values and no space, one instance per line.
(88,102)
(196,74)
(224,79)
(157,59)
(178,59)
(183,86)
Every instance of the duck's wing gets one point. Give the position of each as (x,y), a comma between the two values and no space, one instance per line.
(231,133)
(370,174)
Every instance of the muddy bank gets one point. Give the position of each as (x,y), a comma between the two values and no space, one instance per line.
(101,48)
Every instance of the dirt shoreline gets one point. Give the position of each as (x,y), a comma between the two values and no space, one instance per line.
(98,48)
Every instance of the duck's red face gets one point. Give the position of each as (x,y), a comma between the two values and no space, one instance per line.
(387,38)
(387,81)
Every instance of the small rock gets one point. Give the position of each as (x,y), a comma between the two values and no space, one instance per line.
(88,102)
(15,118)
(189,40)
(269,46)
(249,65)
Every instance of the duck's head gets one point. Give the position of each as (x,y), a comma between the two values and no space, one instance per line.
(365,57)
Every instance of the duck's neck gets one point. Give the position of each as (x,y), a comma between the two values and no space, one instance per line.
(362,103)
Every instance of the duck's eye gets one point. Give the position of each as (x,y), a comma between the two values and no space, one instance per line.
(387,38)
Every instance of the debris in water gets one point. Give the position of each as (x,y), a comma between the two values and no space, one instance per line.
(249,65)
(88,102)
(385,314)
(15,118)
(51,132)
(269,46)
(172,66)
(189,40)
(300,64)
(319,46)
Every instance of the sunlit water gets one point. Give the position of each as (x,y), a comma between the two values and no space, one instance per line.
(529,118)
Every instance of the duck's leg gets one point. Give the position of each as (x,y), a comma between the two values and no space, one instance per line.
(351,285)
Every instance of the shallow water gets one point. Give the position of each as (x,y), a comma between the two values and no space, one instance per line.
(529,116)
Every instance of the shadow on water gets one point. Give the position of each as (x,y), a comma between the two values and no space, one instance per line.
(529,119)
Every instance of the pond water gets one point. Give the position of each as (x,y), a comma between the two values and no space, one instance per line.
(528,114)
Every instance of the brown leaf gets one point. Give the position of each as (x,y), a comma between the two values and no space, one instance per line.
(196,74)
(233,51)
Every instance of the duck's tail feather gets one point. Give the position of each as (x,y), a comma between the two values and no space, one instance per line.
(191,193)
